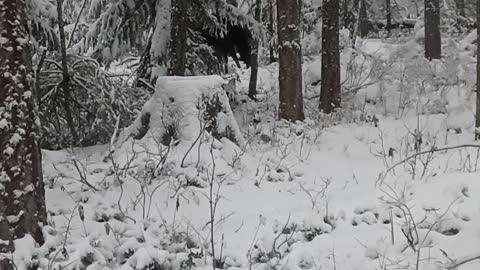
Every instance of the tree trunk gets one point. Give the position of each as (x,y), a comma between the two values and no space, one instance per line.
(178,37)
(252,87)
(363,23)
(355,19)
(477,130)
(388,9)
(22,197)
(65,84)
(460,4)
(345,12)
(290,62)
(433,42)
(330,86)
(271,23)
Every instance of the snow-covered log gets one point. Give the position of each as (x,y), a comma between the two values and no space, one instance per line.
(184,106)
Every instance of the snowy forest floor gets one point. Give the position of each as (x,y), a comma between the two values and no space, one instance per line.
(305,196)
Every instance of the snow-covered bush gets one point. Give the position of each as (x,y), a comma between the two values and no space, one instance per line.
(119,245)
(278,239)
(43,22)
(91,106)
(395,79)
(312,42)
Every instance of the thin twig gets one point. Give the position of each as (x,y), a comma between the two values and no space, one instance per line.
(76,23)
(463,261)
(382,176)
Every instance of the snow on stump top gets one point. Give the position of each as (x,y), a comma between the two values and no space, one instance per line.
(184,106)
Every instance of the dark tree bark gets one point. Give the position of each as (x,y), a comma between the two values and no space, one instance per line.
(477,122)
(351,16)
(65,84)
(460,4)
(22,196)
(252,87)
(290,62)
(345,14)
(363,27)
(178,37)
(271,23)
(388,10)
(330,85)
(433,42)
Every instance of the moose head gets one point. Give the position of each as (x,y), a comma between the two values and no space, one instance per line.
(235,42)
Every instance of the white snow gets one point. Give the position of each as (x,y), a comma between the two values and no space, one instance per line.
(4,123)
(292,195)
(15,218)
(8,151)
(176,100)
(15,139)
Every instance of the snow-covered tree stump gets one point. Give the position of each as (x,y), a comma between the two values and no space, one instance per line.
(184,106)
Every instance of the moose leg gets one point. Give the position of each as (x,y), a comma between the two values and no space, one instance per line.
(225,63)
(235,58)
(222,57)
(232,50)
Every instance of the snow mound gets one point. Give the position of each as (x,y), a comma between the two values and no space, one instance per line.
(182,106)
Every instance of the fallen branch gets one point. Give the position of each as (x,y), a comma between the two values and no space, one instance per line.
(465,260)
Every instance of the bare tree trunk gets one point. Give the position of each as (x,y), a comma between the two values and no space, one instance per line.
(388,9)
(252,87)
(330,86)
(290,62)
(345,17)
(477,124)
(178,37)
(355,19)
(66,77)
(271,22)
(355,6)
(363,23)
(460,4)
(433,42)
(22,196)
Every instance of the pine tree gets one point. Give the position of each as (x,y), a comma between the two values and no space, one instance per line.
(22,196)
(330,85)
(433,42)
(290,59)
(116,28)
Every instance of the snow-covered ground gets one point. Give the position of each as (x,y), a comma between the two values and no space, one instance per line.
(310,195)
